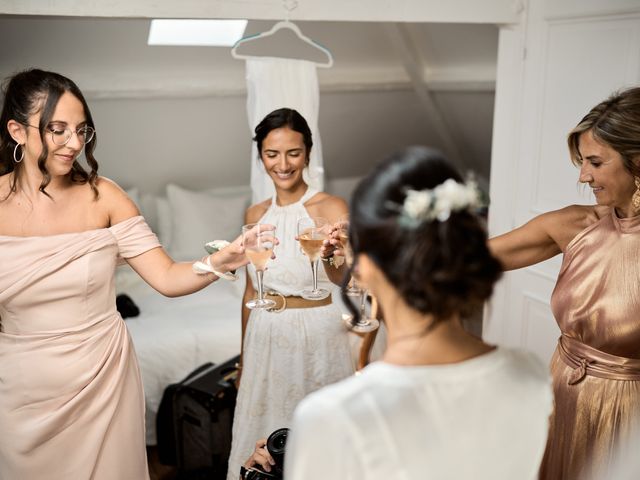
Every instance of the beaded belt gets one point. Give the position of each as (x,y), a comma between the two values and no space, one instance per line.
(586,360)
(283,303)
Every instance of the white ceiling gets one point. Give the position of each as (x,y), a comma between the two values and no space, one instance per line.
(429,83)
(110,57)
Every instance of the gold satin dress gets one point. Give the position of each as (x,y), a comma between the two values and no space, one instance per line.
(596,367)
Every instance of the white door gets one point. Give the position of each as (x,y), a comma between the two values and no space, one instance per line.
(563,59)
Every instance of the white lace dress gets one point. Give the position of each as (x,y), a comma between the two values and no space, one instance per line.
(290,354)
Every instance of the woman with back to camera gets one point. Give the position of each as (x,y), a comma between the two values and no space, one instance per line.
(71,400)
(290,353)
(596,300)
(441,404)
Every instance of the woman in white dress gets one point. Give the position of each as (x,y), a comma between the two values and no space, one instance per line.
(288,354)
(441,404)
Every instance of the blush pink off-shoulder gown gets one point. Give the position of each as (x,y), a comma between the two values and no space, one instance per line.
(71,400)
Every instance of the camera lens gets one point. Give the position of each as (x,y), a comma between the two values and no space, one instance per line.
(277,441)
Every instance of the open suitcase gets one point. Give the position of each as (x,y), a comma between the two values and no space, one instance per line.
(194,421)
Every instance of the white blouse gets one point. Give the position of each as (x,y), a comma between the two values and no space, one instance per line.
(484,418)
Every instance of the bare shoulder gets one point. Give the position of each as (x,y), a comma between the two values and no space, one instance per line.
(328,206)
(255,212)
(564,224)
(575,216)
(114,201)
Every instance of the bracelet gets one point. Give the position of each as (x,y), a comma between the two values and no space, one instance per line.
(215,246)
(334,260)
(202,267)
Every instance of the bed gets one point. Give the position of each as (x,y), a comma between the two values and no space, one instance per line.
(174,336)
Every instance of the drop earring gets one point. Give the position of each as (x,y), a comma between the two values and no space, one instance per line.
(635,199)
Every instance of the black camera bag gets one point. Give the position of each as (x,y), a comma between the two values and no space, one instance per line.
(195,419)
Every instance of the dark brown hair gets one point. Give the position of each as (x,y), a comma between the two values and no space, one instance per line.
(284,117)
(27,93)
(438,267)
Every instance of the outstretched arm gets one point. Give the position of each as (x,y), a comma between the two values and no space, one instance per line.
(156,267)
(541,238)
(174,279)
(524,246)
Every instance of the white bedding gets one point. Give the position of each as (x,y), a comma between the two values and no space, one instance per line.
(174,336)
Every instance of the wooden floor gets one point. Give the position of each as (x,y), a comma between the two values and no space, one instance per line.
(157,471)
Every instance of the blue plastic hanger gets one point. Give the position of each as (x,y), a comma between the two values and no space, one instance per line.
(285,24)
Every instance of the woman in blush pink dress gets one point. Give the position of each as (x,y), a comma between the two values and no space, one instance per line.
(71,401)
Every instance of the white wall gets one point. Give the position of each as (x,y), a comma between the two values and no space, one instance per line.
(205,142)
(568,57)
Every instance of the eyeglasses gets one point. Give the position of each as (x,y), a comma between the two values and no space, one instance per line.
(62,136)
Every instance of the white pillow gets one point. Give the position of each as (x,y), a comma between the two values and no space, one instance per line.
(199,217)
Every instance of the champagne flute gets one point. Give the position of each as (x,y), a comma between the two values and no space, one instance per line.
(366,323)
(352,289)
(312,231)
(258,246)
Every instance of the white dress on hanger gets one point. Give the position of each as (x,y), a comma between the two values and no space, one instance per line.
(290,354)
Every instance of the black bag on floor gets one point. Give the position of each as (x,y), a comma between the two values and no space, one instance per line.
(194,421)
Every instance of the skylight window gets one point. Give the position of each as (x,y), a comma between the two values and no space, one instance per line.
(212,33)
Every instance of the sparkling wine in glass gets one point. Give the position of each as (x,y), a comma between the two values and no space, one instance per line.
(258,246)
(312,231)
(343,234)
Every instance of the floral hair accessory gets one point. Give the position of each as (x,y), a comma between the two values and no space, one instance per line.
(438,203)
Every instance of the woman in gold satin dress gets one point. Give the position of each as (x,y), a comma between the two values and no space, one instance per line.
(71,401)
(596,300)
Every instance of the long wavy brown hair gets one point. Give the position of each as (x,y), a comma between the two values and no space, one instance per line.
(25,94)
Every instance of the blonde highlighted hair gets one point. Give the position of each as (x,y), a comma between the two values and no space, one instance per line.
(615,122)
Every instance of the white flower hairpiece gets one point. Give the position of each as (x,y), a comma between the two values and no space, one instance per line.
(439,202)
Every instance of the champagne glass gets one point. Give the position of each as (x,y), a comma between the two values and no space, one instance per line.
(258,247)
(312,231)
(352,289)
(367,322)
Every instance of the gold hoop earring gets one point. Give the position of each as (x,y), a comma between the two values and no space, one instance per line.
(635,200)
(15,151)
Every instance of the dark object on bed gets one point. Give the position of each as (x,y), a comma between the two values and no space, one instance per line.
(126,306)
(194,421)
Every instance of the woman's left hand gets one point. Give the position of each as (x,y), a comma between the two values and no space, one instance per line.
(232,257)
(260,456)
(332,246)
